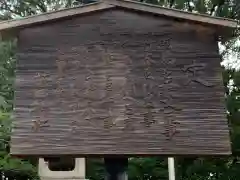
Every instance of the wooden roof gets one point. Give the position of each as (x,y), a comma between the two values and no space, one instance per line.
(108,4)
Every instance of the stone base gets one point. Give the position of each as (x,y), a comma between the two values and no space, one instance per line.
(78,173)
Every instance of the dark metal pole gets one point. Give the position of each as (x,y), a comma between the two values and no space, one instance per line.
(116,168)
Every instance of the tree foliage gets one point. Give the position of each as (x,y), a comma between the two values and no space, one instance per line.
(154,168)
(10,167)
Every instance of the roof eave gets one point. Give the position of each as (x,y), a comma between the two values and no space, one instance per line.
(174,13)
(11,25)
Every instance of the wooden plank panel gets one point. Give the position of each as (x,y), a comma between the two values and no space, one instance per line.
(118,83)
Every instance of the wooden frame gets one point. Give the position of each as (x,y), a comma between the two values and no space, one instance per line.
(135,79)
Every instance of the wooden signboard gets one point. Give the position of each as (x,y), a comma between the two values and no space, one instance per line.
(119,82)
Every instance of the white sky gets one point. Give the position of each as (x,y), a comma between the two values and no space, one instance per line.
(232,59)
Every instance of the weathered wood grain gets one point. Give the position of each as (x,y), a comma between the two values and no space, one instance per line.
(118,82)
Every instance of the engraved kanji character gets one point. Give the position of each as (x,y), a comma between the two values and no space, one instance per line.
(89,112)
(108,84)
(171,128)
(108,121)
(37,124)
(193,69)
(148,115)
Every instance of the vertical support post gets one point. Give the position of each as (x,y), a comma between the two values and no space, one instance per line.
(116,168)
(171,168)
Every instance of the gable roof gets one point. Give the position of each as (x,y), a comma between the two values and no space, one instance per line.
(108,4)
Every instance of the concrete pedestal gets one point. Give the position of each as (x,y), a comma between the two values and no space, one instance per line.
(78,173)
